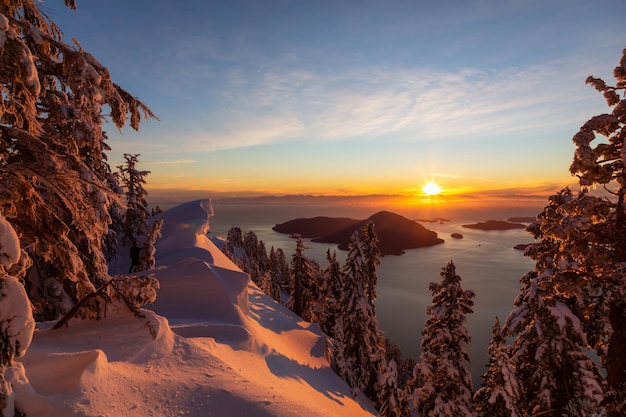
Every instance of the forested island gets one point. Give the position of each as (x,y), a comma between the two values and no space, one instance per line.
(395,232)
(495,225)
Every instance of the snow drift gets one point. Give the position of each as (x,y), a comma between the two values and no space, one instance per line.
(222,347)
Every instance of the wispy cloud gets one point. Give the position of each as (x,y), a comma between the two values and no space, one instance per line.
(405,105)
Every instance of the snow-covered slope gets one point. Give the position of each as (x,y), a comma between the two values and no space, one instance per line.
(223,348)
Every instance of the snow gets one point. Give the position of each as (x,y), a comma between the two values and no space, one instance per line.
(9,244)
(222,347)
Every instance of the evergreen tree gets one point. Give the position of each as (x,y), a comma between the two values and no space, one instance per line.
(358,348)
(393,399)
(269,286)
(331,285)
(371,255)
(499,395)
(234,239)
(54,170)
(116,212)
(301,275)
(550,349)
(583,237)
(136,205)
(443,381)
(279,270)
(147,260)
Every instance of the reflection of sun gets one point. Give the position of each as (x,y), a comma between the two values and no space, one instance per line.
(431,189)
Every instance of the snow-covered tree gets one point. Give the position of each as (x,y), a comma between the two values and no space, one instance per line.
(331,287)
(549,351)
(116,212)
(53,165)
(146,257)
(16,319)
(393,400)
(301,279)
(137,214)
(358,347)
(583,239)
(234,239)
(279,269)
(270,286)
(547,323)
(499,395)
(371,256)
(442,379)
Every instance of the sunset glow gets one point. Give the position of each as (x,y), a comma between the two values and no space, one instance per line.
(362,107)
(432,189)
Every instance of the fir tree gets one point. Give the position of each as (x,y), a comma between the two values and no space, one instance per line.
(54,170)
(280,269)
(331,286)
(500,394)
(269,286)
(393,399)
(371,255)
(358,348)
(147,260)
(136,205)
(443,381)
(301,275)
(550,349)
(583,237)
(234,239)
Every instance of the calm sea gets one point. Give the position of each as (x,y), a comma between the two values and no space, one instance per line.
(485,260)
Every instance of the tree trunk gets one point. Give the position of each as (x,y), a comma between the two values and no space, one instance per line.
(616,357)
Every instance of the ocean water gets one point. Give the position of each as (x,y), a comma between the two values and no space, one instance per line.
(485,260)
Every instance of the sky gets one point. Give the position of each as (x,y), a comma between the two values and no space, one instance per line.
(354,97)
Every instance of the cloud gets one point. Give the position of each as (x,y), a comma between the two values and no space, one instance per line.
(170,162)
(395,105)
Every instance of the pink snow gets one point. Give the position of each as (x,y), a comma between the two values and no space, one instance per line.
(223,348)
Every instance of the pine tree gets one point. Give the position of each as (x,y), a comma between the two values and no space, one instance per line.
(393,399)
(136,216)
(443,381)
(371,255)
(584,238)
(147,259)
(301,277)
(279,270)
(550,348)
(358,348)
(234,239)
(53,165)
(500,394)
(331,287)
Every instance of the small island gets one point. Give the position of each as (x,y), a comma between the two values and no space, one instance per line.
(456,236)
(395,233)
(495,225)
(522,219)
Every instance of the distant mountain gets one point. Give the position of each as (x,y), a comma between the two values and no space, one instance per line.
(395,233)
(495,225)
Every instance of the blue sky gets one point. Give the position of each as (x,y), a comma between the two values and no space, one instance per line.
(347,97)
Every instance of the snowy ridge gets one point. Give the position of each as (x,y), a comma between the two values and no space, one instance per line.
(223,348)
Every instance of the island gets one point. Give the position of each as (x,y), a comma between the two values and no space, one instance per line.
(495,225)
(395,232)
(522,219)
(456,236)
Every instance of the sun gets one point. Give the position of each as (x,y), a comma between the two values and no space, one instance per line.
(432,189)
